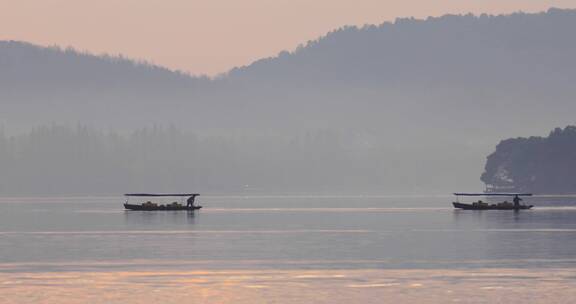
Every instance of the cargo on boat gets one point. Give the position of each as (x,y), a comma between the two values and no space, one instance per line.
(480,205)
(151,206)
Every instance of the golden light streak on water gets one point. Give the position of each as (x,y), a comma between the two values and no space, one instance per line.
(291,286)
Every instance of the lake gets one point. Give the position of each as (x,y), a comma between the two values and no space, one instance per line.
(285,249)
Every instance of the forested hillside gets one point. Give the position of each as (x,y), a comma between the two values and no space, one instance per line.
(543,165)
(53,160)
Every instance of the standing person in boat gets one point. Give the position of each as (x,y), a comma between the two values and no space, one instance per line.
(516,201)
(190,201)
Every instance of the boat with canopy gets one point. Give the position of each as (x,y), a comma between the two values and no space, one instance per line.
(480,205)
(151,206)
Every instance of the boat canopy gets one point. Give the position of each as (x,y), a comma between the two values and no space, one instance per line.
(493,194)
(161,194)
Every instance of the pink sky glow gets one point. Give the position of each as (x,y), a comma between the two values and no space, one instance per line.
(212,36)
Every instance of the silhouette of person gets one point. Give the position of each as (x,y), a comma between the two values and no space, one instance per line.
(516,200)
(190,201)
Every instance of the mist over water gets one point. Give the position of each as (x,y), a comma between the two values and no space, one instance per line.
(283,232)
(309,249)
(60,160)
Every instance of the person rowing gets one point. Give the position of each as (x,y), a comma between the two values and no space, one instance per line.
(516,201)
(190,201)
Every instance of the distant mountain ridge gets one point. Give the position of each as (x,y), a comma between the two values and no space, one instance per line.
(24,65)
(456,62)
(414,50)
(426,99)
(48,84)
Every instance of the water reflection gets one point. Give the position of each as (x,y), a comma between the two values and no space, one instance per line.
(547,213)
(292,286)
(544,233)
(143,219)
(381,232)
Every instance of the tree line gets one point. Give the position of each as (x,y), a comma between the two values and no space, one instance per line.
(64,160)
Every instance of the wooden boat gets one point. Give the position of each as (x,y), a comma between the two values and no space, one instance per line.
(150,206)
(475,206)
(480,205)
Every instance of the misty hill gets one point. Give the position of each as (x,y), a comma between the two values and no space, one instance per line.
(40,84)
(487,65)
(507,67)
(449,50)
(424,100)
(535,164)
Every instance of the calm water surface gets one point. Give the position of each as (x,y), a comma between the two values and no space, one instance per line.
(93,234)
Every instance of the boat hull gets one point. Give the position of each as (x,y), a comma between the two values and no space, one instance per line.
(160,207)
(490,207)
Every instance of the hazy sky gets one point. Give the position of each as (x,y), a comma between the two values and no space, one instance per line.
(211,36)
